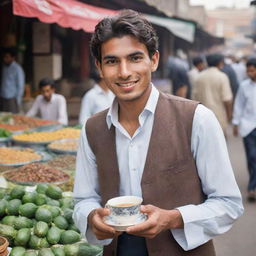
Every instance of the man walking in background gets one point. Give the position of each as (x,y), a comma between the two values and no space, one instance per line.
(244,117)
(198,66)
(213,90)
(12,83)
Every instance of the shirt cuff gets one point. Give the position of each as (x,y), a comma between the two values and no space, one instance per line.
(80,215)
(192,235)
(235,122)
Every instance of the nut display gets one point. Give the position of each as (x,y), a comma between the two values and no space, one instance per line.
(30,121)
(65,162)
(12,128)
(37,137)
(36,173)
(68,145)
(12,122)
(13,156)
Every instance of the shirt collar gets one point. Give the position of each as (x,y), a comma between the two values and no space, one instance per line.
(99,90)
(52,98)
(112,115)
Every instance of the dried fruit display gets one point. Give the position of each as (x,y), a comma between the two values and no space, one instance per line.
(17,156)
(64,146)
(36,173)
(41,137)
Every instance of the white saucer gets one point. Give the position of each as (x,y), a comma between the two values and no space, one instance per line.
(141,218)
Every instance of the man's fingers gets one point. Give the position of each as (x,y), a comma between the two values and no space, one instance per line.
(101,226)
(103,212)
(140,228)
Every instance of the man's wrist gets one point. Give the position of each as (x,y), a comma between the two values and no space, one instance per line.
(175,219)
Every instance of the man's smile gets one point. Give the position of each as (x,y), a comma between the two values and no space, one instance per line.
(127,84)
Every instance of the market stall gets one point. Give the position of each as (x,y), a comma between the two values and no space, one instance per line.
(37,168)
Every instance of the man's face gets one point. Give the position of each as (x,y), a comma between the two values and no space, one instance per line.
(8,59)
(126,67)
(200,66)
(251,72)
(47,92)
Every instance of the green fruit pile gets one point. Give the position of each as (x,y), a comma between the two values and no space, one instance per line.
(40,223)
(4,133)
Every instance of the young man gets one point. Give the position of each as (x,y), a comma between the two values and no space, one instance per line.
(12,83)
(244,117)
(49,105)
(166,149)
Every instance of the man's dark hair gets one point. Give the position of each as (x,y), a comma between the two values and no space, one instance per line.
(12,51)
(46,81)
(213,60)
(251,62)
(197,60)
(95,76)
(127,22)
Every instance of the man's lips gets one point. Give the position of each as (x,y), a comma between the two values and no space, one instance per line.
(127,84)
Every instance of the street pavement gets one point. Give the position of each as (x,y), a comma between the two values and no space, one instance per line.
(241,239)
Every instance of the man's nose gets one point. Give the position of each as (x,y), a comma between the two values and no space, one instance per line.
(124,70)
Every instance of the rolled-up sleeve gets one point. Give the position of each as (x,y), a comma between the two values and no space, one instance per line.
(224,203)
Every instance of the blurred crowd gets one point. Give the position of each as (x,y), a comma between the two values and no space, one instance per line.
(227,86)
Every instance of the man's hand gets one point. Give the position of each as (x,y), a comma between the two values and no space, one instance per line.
(100,229)
(235,130)
(158,220)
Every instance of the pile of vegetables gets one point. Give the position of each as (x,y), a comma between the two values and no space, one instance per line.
(40,223)
(4,133)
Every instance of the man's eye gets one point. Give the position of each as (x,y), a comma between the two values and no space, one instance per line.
(110,62)
(136,58)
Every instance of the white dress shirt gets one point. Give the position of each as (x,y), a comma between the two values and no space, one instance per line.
(244,114)
(94,101)
(201,222)
(55,109)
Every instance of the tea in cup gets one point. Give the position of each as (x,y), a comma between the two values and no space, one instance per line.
(124,210)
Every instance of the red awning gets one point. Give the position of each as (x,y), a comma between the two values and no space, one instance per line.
(66,13)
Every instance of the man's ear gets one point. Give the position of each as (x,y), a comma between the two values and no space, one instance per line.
(154,61)
(98,65)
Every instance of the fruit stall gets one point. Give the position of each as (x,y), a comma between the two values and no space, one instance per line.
(37,166)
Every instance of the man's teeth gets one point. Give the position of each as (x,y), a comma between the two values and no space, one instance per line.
(126,85)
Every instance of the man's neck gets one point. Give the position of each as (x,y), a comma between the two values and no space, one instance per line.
(129,111)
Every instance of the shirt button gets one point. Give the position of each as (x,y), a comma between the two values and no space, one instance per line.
(134,169)
(131,145)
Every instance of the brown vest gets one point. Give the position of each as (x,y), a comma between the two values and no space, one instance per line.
(170,176)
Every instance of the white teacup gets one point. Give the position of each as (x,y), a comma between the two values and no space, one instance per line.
(124,210)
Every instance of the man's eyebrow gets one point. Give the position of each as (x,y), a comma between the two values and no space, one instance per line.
(136,53)
(107,57)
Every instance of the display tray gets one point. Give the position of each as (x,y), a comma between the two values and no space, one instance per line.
(44,157)
(48,127)
(30,143)
(62,151)
(5,139)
